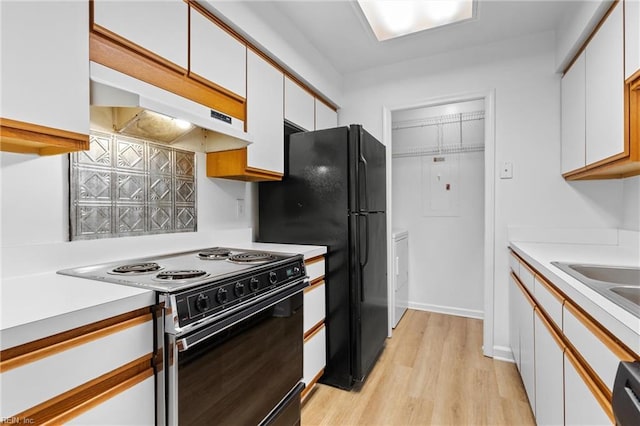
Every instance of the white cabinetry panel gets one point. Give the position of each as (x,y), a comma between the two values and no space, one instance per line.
(315,270)
(216,55)
(548,302)
(265,114)
(631,37)
(326,118)
(548,376)
(581,406)
(314,306)
(134,406)
(605,90)
(161,29)
(314,356)
(45,64)
(65,370)
(299,105)
(573,116)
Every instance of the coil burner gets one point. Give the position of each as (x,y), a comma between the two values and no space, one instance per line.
(215,253)
(136,269)
(252,257)
(180,275)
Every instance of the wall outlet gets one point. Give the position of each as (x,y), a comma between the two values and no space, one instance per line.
(240,208)
(506,172)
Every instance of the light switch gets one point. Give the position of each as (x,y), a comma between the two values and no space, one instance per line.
(506,172)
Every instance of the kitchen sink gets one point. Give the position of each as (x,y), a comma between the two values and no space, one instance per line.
(609,274)
(619,284)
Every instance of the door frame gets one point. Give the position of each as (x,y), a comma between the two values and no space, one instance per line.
(489,200)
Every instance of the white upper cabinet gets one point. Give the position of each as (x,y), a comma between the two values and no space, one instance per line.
(605,90)
(45,64)
(161,28)
(573,116)
(265,99)
(631,37)
(299,105)
(216,55)
(326,118)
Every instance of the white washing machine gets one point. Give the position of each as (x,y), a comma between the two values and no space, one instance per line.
(400,274)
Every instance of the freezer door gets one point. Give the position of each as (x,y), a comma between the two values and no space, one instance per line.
(369,290)
(369,171)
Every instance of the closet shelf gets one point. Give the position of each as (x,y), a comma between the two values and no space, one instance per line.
(435,150)
(439,120)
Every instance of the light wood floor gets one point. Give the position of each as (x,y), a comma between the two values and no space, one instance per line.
(432,372)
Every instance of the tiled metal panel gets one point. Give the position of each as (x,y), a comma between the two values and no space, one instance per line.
(124,186)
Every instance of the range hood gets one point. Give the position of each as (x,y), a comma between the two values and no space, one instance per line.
(139,109)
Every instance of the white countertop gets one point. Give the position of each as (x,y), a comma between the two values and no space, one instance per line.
(619,321)
(40,305)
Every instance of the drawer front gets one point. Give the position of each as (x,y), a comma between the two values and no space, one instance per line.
(65,370)
(548,301)
(314,355)
(314,306)
(582,404)
(527,277)
(598,355)
(315,269)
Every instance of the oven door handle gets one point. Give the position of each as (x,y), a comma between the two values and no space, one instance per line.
(186,342)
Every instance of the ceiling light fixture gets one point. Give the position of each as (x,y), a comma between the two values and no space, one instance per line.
(394,18)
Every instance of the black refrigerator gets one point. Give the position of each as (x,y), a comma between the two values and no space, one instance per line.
(334,194)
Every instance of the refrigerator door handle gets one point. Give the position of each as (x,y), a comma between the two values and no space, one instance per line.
(364,252)
(363,161)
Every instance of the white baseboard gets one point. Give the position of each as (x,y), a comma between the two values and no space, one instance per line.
(503,353)
(467,313)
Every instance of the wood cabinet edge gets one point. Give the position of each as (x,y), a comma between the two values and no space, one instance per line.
(232,164)
(28,138)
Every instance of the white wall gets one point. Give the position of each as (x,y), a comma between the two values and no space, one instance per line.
(527,133)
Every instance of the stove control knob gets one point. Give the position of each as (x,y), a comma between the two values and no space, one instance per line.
(273,278)
(202,302)
(296,270)
(239,289)
(254,284)
(222,297)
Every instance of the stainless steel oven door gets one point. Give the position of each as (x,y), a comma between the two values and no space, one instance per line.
(246,370)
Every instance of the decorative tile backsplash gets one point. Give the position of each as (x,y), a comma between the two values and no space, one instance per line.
(124,186)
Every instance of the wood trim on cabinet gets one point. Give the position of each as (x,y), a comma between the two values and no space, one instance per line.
(310,386)
(313,331)
(529,297)
(314,284)
(32,351)
(313,260)
(76,401)
(107,52)
(618,348)
(232,164)
(603,399)
(560,296)
(551,326)
(28,138)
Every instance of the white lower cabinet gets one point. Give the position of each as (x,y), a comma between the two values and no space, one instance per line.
(549,383)
(527,350)
(581,406)
(134,406)
(315,343)
(514,320)
(314,357)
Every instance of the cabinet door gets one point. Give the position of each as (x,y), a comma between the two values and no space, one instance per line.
(265,114)
(314,356)
(573,116)
(514,320)
(161,27)
(527,349)
(45,64)
(314,306)
(216,55)
(299,105)
(134,406)
(631,37)
(548,374)
(580,403)
(326,118)
(605,90)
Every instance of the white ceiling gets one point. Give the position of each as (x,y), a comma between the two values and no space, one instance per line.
(337,29)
